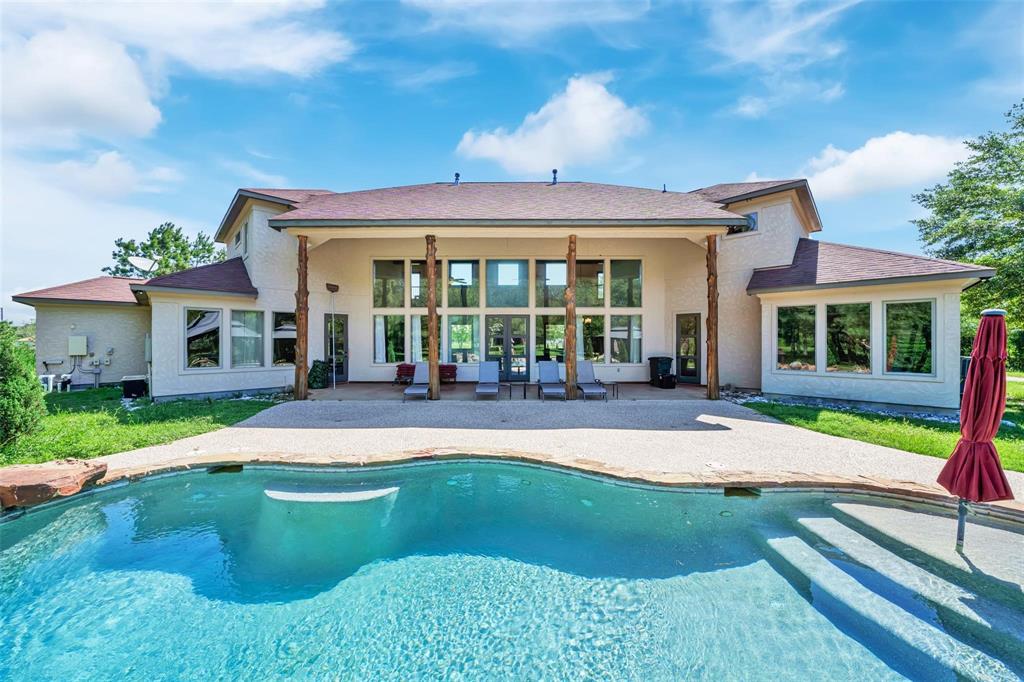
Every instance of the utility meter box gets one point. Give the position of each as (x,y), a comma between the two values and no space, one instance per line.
(78,346)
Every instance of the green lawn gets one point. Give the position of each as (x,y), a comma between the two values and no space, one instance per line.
(914,435)
(92,423)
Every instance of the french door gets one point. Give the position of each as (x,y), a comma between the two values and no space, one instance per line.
(508,342)
(688,348)
(336,346)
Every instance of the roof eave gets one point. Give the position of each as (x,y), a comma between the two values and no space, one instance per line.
(35,300)
(279,224)
(199,292)
(235,208)
(798,185)
(878,281)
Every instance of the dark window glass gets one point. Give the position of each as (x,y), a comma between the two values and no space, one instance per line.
(908,334)
(796,338)
(848,337)
(388,284)
(463,283)
(388,338)
(627,339)
(590,337)
(627,284)
(551,281)
(284,338)
(751,225)
(418,283)
(419,329)
(589,283)
(507,284)
(550,338)
(202,338)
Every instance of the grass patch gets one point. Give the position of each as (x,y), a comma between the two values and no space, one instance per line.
(935,439)
(93,423)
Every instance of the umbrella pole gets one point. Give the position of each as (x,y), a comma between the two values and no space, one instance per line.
(961,524)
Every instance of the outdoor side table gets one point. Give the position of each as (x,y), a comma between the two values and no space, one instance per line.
(613,386)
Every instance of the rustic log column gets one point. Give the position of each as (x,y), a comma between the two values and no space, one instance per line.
(570,320)
(302,323)
(433,339)
(712,338)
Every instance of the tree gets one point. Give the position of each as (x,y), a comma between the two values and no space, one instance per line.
(977,215)
(169,247)
(21,394)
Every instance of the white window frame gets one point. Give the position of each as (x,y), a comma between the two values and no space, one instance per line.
(818,346)
(871,340)
(263,339)
(220,339)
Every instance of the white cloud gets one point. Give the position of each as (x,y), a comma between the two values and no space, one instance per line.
(891,161)
(583,124)
(246,170)
(97,69)
(112,175)
(516,22)
(777,41)
(60,83)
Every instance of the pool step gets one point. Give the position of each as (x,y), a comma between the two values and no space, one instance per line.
(923,651)
(975,614)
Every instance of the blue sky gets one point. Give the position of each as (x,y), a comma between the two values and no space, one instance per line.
(119,117)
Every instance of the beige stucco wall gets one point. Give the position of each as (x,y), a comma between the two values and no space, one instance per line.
(942,389)
(122,328)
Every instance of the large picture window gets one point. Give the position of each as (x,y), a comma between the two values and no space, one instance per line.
(464,338)
(848,337)
(590,337)
(551,283)
(795,341)
(909,330)
(388,338)
(550,338)
(418,283)
(246,338)
(463,284)
(202,338)
(626,335)
(507,284)
(388,284)
(627,284)
(419,329)
(283,336)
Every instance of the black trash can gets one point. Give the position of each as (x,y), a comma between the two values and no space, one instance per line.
(660,366)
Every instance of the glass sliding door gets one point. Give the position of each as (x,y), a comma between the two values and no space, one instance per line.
(336,346)
(688,348)
(508,343)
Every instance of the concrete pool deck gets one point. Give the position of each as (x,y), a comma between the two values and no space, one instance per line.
(704,440)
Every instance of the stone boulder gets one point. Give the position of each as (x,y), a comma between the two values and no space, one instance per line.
(25,485)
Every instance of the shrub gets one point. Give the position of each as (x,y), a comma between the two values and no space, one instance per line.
(1015,350)
(21,395)
(318,374)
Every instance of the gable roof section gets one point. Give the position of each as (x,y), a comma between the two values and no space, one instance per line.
(506,203)
(228,278)
(824,265)
(288,198)
(727,193)
(98,290)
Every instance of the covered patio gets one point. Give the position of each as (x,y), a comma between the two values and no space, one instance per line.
(466,391)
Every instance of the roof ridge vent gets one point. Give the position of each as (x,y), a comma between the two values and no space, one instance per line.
(554,176)
(664,188)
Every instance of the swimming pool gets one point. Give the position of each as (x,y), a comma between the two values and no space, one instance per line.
(477,570)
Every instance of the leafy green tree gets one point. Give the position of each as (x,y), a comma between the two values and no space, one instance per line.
(977,215)
(169,247)
(21,395)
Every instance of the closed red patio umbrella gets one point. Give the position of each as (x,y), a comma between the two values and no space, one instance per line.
(973,472)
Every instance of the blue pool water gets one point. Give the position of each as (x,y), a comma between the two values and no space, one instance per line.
(471,571)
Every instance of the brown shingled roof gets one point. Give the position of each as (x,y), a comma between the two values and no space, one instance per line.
(824,265)
(726,192)
(506,202)
(226,277)
(96,290)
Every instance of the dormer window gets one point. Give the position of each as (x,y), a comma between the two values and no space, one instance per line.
(751,225)
(242,238)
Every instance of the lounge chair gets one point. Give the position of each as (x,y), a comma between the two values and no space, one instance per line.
(587,382)
(420,382)
(549,382)
(487,383)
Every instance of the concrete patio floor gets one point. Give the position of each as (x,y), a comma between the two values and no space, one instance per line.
(673,436)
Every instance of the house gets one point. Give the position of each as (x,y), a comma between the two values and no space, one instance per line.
(654,272)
